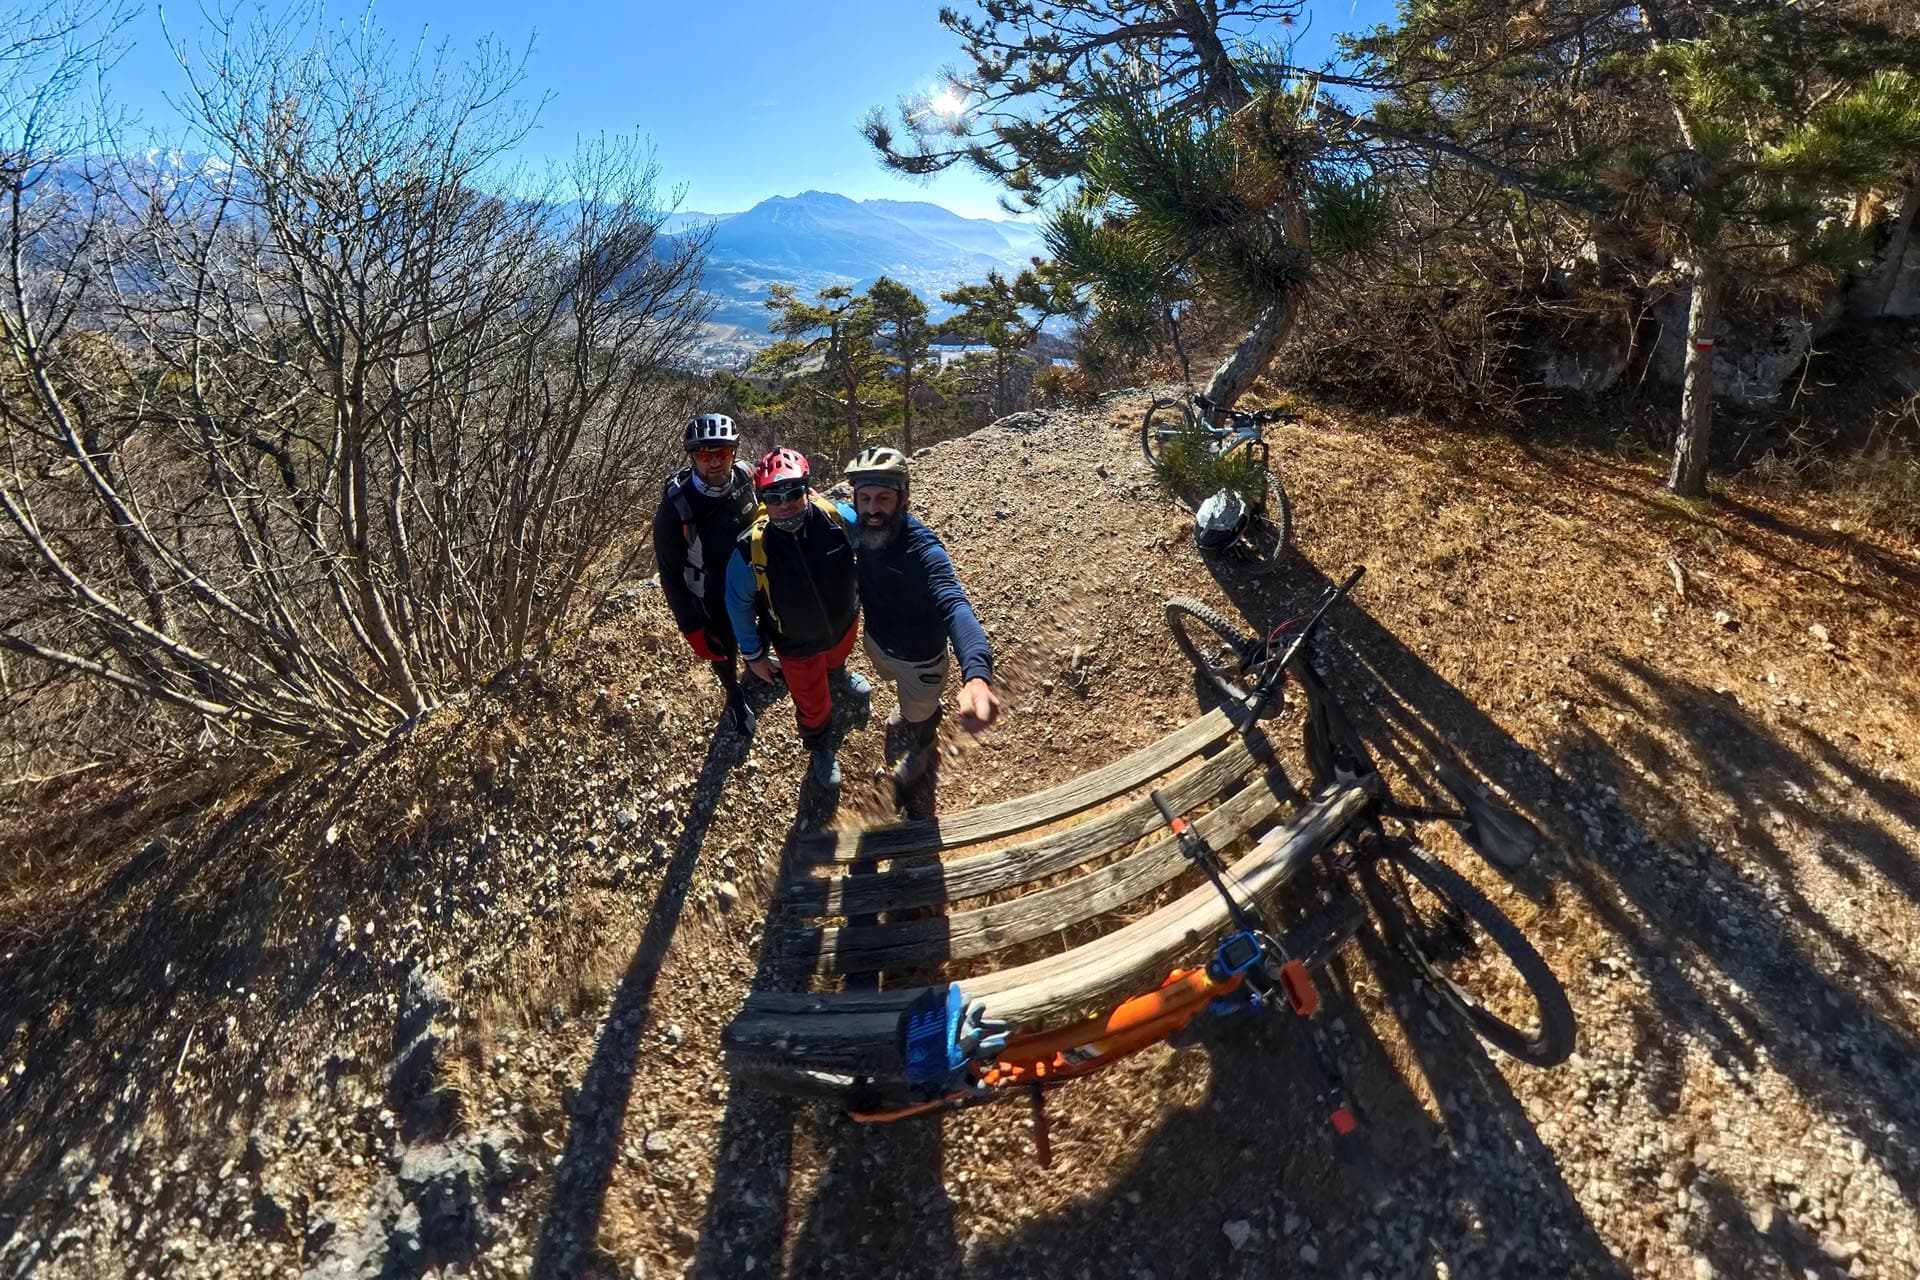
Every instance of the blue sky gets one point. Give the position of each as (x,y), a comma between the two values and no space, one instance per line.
(742,99)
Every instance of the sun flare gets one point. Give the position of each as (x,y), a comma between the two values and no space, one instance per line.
(950,103)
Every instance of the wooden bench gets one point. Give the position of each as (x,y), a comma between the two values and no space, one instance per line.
(1019,893)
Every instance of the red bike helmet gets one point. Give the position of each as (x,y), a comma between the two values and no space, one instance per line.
(780,467)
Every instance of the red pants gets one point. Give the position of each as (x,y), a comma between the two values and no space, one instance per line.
(807,682)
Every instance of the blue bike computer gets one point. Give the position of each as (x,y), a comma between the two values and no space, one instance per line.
(1236,954)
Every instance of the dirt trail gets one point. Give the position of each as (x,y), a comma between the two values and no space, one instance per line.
(455,1008)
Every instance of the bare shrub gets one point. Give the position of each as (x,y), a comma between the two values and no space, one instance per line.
(303,439)
(1876,486)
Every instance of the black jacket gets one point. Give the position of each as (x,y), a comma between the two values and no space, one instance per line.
(693,535)
(812,591)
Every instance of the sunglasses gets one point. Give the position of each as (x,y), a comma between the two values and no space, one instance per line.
(714,451)
(783,493)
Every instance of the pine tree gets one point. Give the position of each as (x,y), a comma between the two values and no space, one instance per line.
(901,315)
(837,328)
(1724,137)
(1006,315)
(1231,207)
(1188,166)
(1036,68)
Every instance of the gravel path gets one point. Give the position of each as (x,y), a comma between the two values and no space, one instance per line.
(455,1009)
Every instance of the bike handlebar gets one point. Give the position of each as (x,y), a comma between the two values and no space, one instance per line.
(1238,417)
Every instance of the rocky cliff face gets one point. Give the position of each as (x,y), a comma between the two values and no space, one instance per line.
(1892,286)
(1760,347)
(1763,341)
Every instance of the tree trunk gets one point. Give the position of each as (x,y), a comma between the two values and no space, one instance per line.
(1255,352)
(1688,477)
(906,405)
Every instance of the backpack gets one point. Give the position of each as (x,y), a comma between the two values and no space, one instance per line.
(681,481)
(757,547)
(676,494)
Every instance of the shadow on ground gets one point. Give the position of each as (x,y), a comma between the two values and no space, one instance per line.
(567,1244)
(142,991)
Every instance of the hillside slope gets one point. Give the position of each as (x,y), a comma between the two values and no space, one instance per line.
(455,1008)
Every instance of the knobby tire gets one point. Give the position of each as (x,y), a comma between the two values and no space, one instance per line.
(1216,648)
(1546,1045)
(1162,415)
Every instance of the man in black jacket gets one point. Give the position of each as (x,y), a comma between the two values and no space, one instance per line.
(703,508)
(791,592)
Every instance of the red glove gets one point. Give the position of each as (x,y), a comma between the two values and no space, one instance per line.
(697,641)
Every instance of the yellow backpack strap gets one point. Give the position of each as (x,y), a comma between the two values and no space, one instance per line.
(757,547)
(757,561)
(832,510)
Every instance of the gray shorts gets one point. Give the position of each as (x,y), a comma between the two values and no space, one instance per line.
(919,683)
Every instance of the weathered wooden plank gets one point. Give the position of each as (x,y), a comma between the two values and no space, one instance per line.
(861,948)
(855,1031)
(932,835)
(922,885)
(1059,988)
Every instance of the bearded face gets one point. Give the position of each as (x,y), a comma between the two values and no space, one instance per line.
(882,512)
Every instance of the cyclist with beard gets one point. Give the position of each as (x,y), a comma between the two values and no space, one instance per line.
(791,592)
(916,610)
(703,508)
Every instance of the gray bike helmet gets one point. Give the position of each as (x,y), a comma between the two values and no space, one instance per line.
(879,465)
(1219,521)
(710,430)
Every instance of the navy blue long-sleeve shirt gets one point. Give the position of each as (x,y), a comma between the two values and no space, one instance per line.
(913,602)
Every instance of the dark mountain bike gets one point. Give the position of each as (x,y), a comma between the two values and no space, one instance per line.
(1473,957)
(1239,504)
(1476,960)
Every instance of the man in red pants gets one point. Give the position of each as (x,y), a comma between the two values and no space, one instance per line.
(792,591)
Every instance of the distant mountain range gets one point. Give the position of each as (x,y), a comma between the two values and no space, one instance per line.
(810,241)
(817,239)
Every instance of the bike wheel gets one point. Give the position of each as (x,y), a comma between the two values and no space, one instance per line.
(1478,962)
(1272,526)
(1165,420)
(1224,657)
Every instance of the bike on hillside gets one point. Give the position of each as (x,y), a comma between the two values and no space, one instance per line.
(1218,463)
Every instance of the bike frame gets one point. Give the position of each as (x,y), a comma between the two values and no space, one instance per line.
(1241,428)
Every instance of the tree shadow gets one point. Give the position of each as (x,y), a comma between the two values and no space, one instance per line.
(1746,961)
(1413,720)
(873,1182)
(567,1242)
(1900,579)
(1735,952)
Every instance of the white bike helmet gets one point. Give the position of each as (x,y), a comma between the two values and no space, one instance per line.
(1219,521)
(709,430)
